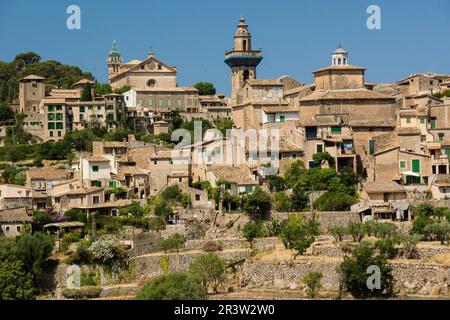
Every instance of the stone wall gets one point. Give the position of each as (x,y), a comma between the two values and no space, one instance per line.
(411,278)
(235,243)
(327,219)
(149,265)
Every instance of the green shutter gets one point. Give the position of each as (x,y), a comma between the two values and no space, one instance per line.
(433,123)
(416,166)
(371,147)
(336,130)
(282,119)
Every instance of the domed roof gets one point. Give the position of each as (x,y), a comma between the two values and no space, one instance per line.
(339,49)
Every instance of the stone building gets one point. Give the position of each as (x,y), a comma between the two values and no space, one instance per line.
(13,221)
(31,93)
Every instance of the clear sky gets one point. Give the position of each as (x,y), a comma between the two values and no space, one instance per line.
(296,36)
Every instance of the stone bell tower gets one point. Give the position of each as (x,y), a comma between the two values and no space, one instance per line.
(242,60)
(114,61)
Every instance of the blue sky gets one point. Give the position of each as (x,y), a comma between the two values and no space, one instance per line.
(296,36)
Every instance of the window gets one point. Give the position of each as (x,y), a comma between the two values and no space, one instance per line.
(112,184)
(336,130)
(416,166)
(151,83)
(50,116)
(180,179)
(99,107)
(283,119)
(311,164)
(160,102)
(51,133)
(433,123)
(423,138)
(50,108)
(441,136)
(150,101)
(319,148)
(81,109)
(422,120)
(246,75)
(59,116)
(95,199)
(51,125)
(402,164)
(59,133)
(58,108)
(408,119)
(248,189)
(179,102)
(59,125)
(197,197)
(95,168)
(169,102)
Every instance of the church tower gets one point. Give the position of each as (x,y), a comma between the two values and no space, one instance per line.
(339,57)
(114,61)
(242,60)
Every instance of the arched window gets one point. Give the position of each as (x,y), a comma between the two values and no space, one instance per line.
(244,45)
(345,60)
(339,61)
(246,75)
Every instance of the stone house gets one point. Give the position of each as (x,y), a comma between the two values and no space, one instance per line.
(440,186)
(15,196)
(43,179)
(95,171)
(13,221)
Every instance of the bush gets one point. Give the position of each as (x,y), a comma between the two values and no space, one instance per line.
(173,286)
(338,232)
(258,203)
(298,234)
(409,243)
(75,215)
(173,242)
(34,250)
(212,246)
(275,227)
(253,230)
(354,274)
(15,283)
(210,268)
(164,263)
(386,230)
(40,219)
(156,224)
(356,230)
(106,251)
(387,247)
(334,201)
(82,254)
(313,282)
(440,230)
(82,293)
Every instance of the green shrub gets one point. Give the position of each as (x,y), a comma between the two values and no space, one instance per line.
(356,230)
(173,242)
(338,232)
(173,286)
(210,268)
(106,251)
(354,272)
(82,254)
(82,293)
(313,282)
(387,247)
(90,278)
(164,263)
(253,230)
(440,230)
(299,234)
(409,243)
(386,230)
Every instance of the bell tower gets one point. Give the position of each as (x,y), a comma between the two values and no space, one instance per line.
(242,60)
(114,61)
(339,57)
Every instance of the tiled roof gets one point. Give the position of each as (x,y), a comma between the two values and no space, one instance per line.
(15,215)
(32,77)
(341,67)
(173,89)
(389,186)
(363,94)
(48,173)
(84,190)
(239,174)
(265,82)
(408,131)
(97,159)
(279,109)
(115,144)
